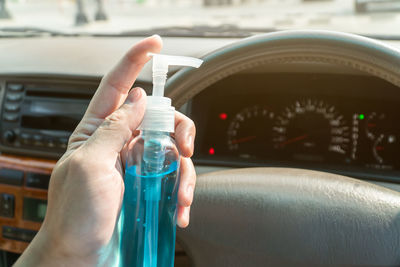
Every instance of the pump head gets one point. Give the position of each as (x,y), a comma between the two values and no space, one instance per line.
(159,115)
(160,69)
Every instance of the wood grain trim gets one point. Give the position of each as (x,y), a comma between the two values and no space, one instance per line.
(26,165)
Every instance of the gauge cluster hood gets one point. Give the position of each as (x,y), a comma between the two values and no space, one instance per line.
(87,56)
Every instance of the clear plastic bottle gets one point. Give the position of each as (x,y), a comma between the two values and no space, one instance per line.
(147,222)
(148,214)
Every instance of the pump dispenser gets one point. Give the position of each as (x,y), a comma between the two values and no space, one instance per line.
(147,223)
(160,114)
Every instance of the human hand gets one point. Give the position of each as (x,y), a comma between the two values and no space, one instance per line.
(86,186)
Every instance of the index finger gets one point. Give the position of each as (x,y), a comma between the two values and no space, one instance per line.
(115,85)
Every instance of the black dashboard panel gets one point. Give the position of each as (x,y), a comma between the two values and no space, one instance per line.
(334,122)
(38,115)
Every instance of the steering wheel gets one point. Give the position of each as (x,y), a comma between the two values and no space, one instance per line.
(285,216)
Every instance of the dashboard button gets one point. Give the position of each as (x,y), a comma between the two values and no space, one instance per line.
(9,232)
(10,117)
(14,97)
(34,209)
(25,138)
(6,205)
(63,142)
(11,177)
(9,136)
(12,107)
(50,143)
(15,87)
(37,180)
(18,233)
(37,140)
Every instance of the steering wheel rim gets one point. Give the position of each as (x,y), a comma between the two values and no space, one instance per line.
(291,217)
(378,235)
(294,46)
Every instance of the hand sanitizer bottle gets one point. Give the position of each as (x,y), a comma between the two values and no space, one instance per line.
(147,220)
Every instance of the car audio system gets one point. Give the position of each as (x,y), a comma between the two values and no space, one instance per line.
(37,119)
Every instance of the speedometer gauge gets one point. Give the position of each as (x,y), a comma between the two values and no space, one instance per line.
(249,132)
(311,130)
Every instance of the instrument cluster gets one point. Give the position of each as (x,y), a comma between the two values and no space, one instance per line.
(304,129)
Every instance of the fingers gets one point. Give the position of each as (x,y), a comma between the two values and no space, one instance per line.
(185,132)
(187,183)
(115,86)
(117,128)
(183,216)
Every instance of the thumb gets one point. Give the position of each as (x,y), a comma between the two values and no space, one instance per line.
(117,128)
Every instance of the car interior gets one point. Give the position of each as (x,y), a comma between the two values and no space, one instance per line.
(297,149)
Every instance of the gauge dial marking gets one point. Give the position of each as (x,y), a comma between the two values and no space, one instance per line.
(249,132)
(294,140)
(311,127)
(243,139)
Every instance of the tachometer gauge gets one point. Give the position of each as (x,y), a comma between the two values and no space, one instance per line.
(249,132)
(311,130)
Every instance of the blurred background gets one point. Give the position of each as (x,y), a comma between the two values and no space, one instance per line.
(198,17)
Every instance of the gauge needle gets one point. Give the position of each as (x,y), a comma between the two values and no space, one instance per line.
(293,140)
(243,140)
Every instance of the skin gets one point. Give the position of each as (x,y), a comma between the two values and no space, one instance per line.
(86,187)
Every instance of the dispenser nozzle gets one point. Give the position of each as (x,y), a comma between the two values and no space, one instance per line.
(160,69)
(160,115)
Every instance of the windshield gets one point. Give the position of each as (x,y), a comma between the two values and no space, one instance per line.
(194,17)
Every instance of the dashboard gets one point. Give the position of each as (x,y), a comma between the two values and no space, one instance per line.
(336,121)
(324,121)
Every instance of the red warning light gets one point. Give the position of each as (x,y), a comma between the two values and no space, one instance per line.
(223,116)
(211,151)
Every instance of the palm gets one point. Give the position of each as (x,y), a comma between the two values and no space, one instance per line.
(97,199)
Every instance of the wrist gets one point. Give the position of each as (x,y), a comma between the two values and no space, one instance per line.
(47,250)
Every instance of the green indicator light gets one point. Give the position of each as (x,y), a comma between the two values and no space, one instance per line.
(361,116)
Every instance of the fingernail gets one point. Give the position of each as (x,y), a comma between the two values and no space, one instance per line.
(190,192)
(156,36)
(134,95)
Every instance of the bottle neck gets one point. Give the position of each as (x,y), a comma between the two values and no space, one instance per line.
(154,133)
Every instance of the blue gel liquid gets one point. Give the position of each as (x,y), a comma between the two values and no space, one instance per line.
(138,230)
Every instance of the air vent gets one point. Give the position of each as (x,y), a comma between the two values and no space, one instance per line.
(58,91)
